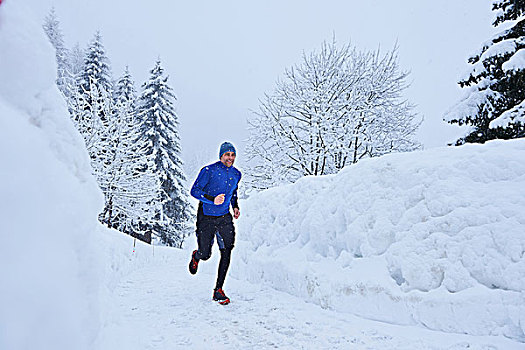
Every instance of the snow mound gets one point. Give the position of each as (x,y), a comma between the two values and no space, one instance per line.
(50,279)
(434,238)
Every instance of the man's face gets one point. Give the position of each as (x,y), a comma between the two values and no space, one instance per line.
(228,158)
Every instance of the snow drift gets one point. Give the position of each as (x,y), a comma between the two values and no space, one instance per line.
(49,287)
(435,238)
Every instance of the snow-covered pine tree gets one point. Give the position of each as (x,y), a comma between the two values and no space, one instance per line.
(132,190)
(56,37)
(338,106)
(92,109)
(76,66)
(160,128)
(94,98)
(76,59)
(95,70)
(494,104)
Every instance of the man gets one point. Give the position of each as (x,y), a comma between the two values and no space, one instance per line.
(216,189)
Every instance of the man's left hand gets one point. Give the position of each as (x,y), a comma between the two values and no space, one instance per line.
(236,213)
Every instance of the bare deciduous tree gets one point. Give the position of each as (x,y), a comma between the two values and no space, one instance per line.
(337,107)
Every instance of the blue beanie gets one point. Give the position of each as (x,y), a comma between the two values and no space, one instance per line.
(226,147)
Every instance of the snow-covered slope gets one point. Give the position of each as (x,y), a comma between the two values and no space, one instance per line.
(434,238)
(49,201)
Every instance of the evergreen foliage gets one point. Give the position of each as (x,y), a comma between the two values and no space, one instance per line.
(94,113)
(76,60)
(96,70)
(92,105)
(133,144)
(494,105)
(508,10)
(131,188)
(160,129)
(56,37)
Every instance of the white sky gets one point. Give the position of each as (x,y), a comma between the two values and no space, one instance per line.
(223,56)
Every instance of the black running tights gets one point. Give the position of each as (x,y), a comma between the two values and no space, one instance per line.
(223,267)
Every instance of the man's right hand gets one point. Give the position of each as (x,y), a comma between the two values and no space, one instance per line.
(219,199)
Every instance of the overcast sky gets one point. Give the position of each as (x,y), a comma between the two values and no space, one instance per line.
(222,56)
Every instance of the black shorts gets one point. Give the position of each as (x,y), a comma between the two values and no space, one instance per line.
(209,227)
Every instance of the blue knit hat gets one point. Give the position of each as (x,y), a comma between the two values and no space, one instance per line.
(226,147)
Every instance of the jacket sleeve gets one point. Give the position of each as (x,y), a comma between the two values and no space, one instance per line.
(197,190)
(234,201)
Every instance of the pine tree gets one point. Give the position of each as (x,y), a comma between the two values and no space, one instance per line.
(56,37)
(95,70)
(76,60)
(132,189)
(93,100)
(494,105)
(93,111)
(160,128)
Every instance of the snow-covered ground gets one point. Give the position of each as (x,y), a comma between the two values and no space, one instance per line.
(161,306)
(368,259)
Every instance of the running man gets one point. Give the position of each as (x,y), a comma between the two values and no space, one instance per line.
(216,189)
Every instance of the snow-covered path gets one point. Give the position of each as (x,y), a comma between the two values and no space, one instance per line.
(161,306)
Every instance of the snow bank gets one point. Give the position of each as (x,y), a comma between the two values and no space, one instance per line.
(434,238)
(49,205)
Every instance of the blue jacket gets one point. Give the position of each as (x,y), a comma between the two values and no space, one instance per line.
(213,180)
